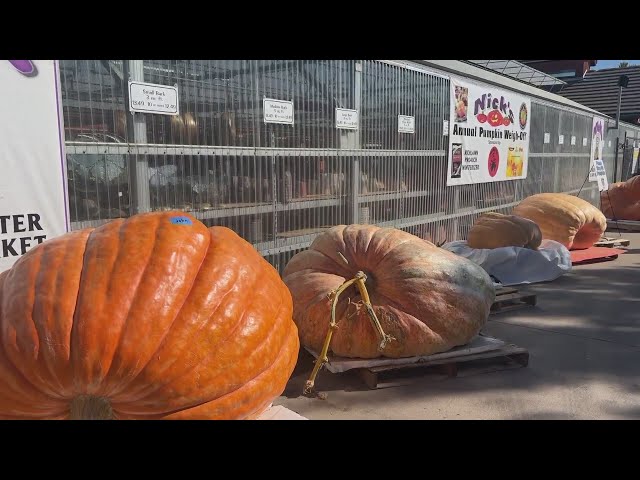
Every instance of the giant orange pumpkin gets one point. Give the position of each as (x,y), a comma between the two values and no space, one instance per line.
(151,317)
(428,299)
(495,230)
(564,218)
(622,201)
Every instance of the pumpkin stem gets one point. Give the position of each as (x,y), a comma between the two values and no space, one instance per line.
(359,280)
(88,407)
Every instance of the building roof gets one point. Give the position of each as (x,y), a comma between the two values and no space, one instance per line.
(469,70)
(599,90)
(519,71)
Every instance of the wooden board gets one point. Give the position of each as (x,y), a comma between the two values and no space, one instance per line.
(505,354)
(628,225)
(279,412)
(511,299)
(480,349)
(609,242)
(479,344)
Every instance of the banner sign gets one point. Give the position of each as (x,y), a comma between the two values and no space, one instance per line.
(33,194)
(489,134)
(597,144)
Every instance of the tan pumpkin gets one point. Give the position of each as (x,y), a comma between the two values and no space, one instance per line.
(427,298)
(495,230)
(622,201)
(564,218)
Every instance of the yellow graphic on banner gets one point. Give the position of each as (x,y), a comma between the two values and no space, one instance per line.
(515,161)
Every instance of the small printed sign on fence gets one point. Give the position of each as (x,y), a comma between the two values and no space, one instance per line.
(278,111)
(601,174)
(152,98)
(406,124)
(346,119)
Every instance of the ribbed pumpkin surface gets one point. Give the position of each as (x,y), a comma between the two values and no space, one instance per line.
(495,230)
(564,218)
(622,201)
(429,299)
(154,319)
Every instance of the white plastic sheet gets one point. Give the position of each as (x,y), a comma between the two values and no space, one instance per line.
(516,265)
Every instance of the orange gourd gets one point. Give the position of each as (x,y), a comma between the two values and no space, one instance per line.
(430,300)
(622,201)
(153,317)
(567,219)
(495,230)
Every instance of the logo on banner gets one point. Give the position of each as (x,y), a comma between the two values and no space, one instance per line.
(25,67)
(500,112)
(523,116)
(494,161)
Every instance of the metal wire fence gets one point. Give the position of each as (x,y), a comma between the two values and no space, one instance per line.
(278,186)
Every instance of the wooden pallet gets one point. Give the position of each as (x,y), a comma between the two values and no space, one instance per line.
(481,349)
(610,242)
(628,225)
(448,366)
(511,299)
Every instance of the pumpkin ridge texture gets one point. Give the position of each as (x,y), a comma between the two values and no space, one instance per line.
(429,299)
(207,332)
(622,200)
(495,230)
(567,219)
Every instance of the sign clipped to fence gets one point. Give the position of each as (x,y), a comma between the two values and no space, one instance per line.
(406,124)
(597,144)
(33,194)
(346,119)
(489,135)
(152,98)
(601,175)
(278,111)
(634,162)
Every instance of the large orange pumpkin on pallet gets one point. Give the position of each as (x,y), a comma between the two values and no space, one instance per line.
(495,230)
(622,201)
(151,317)
(564,218)
(428,299)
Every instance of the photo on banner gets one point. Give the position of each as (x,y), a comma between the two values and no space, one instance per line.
(597,145)
(33,195)
(489,135)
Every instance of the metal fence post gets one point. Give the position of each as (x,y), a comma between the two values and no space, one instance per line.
(357,144)
(137,135)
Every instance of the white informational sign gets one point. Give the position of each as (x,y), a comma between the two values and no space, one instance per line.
(489,134)
(561,139)
(609,143)
(445,127)
(33,187)
(601,175)
(597,144)
(406,124)
(573,139)
(347,119)
(278,111)
(634,163)
(584,141)
(547,137)
(152,98)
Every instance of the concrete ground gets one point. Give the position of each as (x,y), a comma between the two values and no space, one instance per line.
(584,343)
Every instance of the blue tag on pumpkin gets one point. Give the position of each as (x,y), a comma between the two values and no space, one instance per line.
(181,221)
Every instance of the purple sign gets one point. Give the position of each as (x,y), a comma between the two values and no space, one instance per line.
(25,67)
